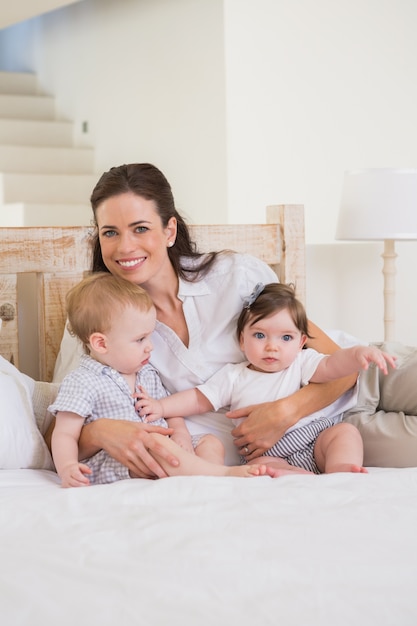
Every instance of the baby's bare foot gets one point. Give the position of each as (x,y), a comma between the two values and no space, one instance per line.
(277,472)
(247,471)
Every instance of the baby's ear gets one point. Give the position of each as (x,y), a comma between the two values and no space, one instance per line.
(303,341)
(98,342)
(241,342)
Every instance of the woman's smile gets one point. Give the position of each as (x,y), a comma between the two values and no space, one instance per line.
(131,263)
(133,240)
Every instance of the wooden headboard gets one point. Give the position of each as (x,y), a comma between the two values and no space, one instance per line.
(39,264)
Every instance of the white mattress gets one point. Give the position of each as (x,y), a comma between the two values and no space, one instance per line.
(318,550)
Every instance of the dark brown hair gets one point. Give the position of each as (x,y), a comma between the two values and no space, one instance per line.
(273,298)
(147,181)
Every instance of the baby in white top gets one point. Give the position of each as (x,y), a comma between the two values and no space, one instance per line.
(272,330)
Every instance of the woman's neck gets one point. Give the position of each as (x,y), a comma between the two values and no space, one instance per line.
(164,292)
(168,306)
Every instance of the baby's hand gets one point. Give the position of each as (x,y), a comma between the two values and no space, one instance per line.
(74,475)
(147,408)
(371,354)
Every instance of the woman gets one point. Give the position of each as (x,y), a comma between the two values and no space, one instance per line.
(141,237)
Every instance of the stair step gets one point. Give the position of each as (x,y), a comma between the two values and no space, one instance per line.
(49,160)
(18,82)
(49,188)
(44,179)
(21,214)
(27,107)
(35,133)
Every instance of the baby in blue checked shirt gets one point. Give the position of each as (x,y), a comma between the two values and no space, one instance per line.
(114,319)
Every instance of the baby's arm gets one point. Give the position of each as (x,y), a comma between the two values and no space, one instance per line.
(189,402)
(65,450)
(349,360)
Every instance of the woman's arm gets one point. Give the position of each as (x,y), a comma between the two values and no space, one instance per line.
(130,443)
(320,341)
(266,423)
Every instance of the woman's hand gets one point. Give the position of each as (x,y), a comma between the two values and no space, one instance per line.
(130,443)
(264,425)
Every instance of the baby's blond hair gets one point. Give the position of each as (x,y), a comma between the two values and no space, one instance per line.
(95,303)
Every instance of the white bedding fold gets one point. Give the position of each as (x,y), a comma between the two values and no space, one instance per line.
(335,549)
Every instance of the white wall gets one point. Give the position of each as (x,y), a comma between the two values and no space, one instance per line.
(148,76)
(345,289)
(314,89)
(244,104)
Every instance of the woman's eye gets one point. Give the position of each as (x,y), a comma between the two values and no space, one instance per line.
(108,233)
(141,229)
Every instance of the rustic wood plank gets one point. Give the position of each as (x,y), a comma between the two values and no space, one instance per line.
(53,249)
(59,256)
(289,219)
(52,290)
(9,339)
(261,240)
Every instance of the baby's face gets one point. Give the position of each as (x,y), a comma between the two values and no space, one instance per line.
(129,341)
(272,343)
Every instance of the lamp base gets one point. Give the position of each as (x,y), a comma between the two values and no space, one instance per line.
(389,255)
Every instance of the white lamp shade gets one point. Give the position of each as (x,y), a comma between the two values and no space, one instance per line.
(378,204)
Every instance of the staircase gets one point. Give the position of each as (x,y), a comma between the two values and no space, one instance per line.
(44,179)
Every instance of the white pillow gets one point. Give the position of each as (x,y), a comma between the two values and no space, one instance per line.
(21,443)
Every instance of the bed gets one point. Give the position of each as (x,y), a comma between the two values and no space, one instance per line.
(321,550)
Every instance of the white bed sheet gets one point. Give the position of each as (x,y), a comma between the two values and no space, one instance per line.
(319,550)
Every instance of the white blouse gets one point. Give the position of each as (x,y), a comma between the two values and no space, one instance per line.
(211,308)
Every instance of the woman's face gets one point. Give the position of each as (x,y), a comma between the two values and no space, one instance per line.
(132,239)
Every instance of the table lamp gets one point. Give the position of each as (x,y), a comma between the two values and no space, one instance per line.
(380,204)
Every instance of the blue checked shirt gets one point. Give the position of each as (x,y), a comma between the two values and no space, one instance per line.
(94,391)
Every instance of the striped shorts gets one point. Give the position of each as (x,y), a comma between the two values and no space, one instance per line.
(297,446)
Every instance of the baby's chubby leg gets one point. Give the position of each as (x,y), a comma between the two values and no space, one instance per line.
(339,449)
(211,449)
(192,465)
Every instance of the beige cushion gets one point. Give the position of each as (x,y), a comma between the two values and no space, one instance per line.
(43,395)
(386,411)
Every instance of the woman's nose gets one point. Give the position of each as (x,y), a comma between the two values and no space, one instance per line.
(126,243)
